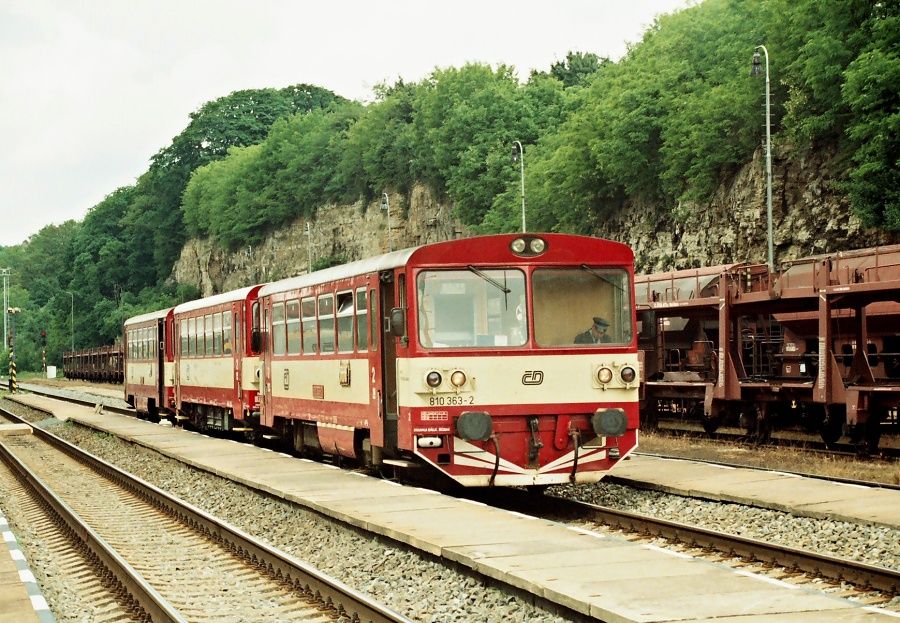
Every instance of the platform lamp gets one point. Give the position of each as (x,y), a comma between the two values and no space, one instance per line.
(518,155)
(386,205)
(756,70)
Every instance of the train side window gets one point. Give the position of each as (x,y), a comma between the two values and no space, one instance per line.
(209,333)
(144,340)
(201,337)
(184,336)
(226,332)
(292,311)
(310,341)
(217,333)
(279,344)
(362,321)
(345,322)
(373,318)
(326,323)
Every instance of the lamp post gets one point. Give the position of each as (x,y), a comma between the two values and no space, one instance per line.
(4,273)
(72,317)
(13,384)
(518,155)
(386,205)
(755,71)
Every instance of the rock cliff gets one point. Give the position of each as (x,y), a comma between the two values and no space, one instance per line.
(809,216)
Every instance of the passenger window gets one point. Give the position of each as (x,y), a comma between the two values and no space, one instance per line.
(226,332)
(362,321)
(310,340)
(293,327)
(326,323)
(182,327)
(345,322)
(278,336)
(217,334)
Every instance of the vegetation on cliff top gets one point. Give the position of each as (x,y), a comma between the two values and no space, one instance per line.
(668,123)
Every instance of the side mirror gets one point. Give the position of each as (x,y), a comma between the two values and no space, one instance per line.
(398,322)
(257,341)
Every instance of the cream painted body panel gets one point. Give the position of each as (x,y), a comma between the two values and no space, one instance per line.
(499,380)
(144,373)
(213,372)
(250,373)
(303,374)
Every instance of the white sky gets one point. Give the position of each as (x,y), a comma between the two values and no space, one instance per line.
(91,89)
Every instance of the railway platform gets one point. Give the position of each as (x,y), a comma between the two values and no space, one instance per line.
(21,600)
(598,575)
(811,497)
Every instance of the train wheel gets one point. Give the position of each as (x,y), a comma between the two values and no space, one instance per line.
(650,416)
(833,425)
(710,423)
(872,433)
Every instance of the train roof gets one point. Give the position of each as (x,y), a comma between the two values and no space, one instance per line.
(217,299)
(378,263)
(156,315)
(461,248)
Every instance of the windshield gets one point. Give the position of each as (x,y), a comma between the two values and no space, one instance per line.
(581,306)
(472,307)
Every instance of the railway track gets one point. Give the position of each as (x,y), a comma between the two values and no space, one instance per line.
(860,575)
(167,560)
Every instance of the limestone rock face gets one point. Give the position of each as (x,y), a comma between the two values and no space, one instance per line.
(350,232)
(809,216)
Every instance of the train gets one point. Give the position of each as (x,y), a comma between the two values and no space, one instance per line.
(815,344)
(104,364)
(502,360)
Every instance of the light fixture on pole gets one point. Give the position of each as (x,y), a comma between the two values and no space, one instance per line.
(4,273)
(518,155)
(72,317)
(386,205)
(755,70)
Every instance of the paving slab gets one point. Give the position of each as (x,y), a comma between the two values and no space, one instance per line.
(14,430)
(588,572)
(21,599)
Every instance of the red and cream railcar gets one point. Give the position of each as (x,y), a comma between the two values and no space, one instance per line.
(462,356)
(217,369)
(149,363)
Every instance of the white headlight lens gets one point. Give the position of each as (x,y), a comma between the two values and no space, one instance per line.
(458,378)
(518,245)
(604,375)
(433,378)
(537,245)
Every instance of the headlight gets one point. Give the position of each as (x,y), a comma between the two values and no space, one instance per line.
(537,245)
(458,378)
(628,374)
(433,378)
(604,375)
(518,245)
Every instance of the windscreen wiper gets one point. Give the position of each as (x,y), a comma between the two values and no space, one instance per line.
(490,280)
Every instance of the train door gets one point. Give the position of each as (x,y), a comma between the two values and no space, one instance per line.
(160,364)
(265,385)
(391,290)
(231,328)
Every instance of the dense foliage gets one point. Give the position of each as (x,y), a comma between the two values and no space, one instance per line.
(668,123)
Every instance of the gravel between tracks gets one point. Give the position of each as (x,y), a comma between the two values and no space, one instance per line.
(870,544)
(420,588)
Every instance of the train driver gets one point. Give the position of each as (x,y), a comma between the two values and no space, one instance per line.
(597,334)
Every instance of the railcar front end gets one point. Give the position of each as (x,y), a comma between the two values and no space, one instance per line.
(504,376)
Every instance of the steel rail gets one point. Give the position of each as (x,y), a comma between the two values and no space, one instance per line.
(148,598)
(342,597)
(832,568)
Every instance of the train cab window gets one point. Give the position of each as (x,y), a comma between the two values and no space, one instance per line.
(472,308)
(279,343)
(292,312)
(226,332)
(345,322)
(326,324)
(184,336)
(217,333)
(569,301)
(208,332)
(362,321)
